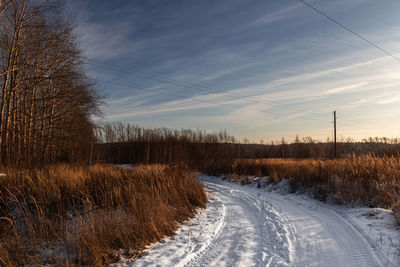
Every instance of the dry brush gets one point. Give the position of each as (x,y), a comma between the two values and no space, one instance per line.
(366,180)
(79,215)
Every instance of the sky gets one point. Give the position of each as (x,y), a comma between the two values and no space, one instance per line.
(261,69)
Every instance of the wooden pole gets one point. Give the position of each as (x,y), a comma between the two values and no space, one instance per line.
(334,131)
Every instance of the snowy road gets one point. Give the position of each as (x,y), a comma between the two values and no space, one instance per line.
(245,226)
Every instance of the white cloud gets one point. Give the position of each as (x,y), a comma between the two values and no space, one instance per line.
(192,103)
(275,16)
(346,88)
(107,38)
(389,100)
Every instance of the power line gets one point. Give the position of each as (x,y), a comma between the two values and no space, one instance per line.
(200,100)
(203,100)
(236,95)
(197,86)
(357,35)
(358,121)
(350,30)
(349,124)
(350,120)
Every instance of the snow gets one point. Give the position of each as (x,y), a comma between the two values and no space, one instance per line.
(126,166)
(246,226)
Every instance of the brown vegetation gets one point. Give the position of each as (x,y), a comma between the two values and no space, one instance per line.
(368,180)
(80,215)
(128,143)
(358,177)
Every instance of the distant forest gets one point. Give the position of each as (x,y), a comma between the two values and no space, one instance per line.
(128,143)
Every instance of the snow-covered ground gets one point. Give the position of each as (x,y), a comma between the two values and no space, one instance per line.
(246,226)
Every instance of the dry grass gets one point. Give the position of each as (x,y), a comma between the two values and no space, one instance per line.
(374,181)
(66,215)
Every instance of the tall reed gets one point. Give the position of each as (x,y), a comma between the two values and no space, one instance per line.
(78,215)
(374,181)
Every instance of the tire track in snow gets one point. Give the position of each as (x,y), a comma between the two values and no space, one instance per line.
(248,227)
(323,236)
(270,240)
(206,249)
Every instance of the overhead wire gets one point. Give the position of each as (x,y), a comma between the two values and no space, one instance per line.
(350,30)
(354,33)
(201,99)
(233,94)
(202,87)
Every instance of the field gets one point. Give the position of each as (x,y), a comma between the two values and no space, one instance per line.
(79,215)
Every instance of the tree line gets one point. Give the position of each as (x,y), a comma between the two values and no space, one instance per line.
(129,143)
(46,100)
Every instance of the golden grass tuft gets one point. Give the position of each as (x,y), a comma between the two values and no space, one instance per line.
(368,180)
(76,215)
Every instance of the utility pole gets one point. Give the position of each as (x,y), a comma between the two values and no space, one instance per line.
(334,131)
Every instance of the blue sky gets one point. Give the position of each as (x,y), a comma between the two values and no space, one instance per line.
(260,69)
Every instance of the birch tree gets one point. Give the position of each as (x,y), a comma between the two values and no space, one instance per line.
(46,99)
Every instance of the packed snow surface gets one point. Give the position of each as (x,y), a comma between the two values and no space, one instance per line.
(246,226)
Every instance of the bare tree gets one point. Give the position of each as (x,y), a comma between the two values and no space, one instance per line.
(4,4)
(46,100)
